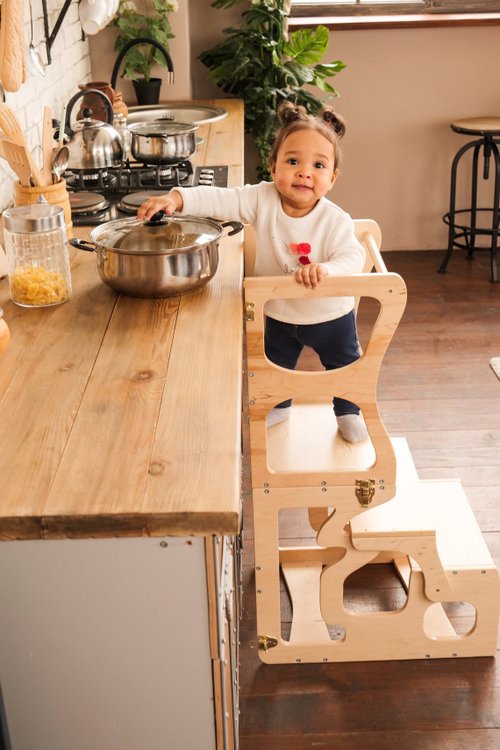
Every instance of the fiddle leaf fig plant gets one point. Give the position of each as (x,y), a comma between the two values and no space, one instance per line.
(261,63)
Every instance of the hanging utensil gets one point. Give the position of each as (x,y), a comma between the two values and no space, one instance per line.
(47,145)
(11,127)
(60,162)
(35,56)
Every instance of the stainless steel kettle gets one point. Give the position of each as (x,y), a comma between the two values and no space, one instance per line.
(93,144)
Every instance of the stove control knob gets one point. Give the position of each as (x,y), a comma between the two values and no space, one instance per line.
(206,181)
(207,171)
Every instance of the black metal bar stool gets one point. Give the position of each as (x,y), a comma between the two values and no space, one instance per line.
(464,225)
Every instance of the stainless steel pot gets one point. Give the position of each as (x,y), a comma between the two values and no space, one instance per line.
(165,257)
(162,142)
(93,144)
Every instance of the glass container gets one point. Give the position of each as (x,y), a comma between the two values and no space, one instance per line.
(37,255)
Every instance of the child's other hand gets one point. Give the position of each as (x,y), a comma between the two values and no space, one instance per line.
(310,275)
(169,203)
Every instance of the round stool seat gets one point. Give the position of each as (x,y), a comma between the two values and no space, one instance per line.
(477,126)
(468,225)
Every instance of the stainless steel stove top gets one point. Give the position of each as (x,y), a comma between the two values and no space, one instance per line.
(105,195)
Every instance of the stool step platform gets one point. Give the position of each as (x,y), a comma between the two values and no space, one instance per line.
(429,534)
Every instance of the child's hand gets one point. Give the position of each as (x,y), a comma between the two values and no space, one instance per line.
(169,203)
(310,275)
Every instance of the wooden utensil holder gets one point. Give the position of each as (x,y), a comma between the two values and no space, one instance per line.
(56,195)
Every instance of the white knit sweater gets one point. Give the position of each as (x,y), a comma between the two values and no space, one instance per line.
(327,228)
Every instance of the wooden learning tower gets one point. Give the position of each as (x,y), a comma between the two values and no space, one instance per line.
(363,503)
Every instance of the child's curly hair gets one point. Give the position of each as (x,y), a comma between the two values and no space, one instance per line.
(294,117)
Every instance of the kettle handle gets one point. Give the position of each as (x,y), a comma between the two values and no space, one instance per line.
(107,104)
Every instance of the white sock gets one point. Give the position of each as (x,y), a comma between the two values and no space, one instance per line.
(352,428)
(276,416)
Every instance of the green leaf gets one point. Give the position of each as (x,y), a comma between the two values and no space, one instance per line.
(301,73)
(325,86)
(329,69)
(225,3)
(307,46)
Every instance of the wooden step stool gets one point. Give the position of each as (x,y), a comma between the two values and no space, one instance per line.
(364,503)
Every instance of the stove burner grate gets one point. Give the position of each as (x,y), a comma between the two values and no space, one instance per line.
(128,189)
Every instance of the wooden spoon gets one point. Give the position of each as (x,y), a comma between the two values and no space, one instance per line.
(11,127)
(47,145)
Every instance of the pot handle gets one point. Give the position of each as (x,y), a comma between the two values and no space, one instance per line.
(236,225)
(83,244)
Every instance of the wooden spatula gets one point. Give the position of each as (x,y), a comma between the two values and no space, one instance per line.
(17,157)
(11,127)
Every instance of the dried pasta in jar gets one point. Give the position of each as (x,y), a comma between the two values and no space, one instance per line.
(35,285)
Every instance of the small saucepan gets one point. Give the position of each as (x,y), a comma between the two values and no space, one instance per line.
(162,142)
(164,257)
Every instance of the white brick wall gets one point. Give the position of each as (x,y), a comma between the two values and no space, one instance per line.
(70,66)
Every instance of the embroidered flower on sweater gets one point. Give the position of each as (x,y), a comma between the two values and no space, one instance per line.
(302,249)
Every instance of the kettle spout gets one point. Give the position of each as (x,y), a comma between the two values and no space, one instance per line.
(142,40)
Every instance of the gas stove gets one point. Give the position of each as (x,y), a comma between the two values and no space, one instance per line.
(103,195)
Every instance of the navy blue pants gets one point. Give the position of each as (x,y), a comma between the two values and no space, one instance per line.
(335,342)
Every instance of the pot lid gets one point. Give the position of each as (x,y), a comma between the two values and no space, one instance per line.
(171,234)
(162,127)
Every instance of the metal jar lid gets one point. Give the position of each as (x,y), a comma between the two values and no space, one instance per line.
(36,217)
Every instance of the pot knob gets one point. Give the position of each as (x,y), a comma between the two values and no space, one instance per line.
(156,219)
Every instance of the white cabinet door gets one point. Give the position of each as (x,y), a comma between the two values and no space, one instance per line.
(105,644)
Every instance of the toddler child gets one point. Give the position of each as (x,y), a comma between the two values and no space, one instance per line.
(300,232)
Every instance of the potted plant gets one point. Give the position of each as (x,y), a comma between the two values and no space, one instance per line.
(262,64)
(139,58)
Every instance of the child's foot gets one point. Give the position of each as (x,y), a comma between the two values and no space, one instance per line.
(276,416)
(352,428)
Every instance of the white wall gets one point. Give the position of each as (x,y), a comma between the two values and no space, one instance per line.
(400,91)
(70,66)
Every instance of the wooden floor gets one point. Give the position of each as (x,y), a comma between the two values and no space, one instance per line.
(437,390)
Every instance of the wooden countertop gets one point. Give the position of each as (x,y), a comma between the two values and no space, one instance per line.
(121,416)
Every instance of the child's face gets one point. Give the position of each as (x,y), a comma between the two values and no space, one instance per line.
(304,171)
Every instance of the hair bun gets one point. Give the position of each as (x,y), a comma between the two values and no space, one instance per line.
(333,120)
(289,112)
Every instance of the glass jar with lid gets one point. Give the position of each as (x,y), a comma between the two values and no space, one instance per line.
(37,255)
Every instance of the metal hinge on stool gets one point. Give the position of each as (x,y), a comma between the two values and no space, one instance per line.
(266,642)
(365,490)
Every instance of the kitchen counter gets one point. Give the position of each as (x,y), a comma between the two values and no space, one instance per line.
(121,416)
